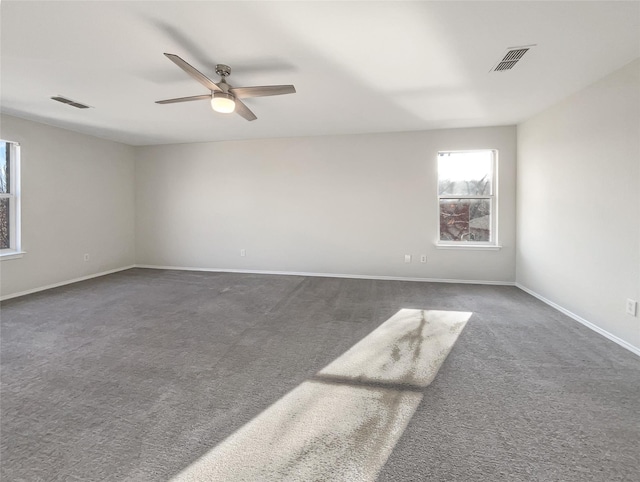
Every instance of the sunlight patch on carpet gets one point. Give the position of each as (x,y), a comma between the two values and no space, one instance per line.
(343,423)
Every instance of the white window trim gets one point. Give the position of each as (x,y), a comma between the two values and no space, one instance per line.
(470,246)
(14,251)
(492,245)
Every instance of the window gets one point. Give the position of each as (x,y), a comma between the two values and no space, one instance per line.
(9,198)
(467,198)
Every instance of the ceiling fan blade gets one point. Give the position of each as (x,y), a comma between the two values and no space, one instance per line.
(262,91)
(244,111)
(193,72)
(184,99)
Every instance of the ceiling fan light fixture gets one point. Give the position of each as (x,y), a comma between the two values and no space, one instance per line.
(223,102)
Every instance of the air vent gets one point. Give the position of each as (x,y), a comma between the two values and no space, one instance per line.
(511,57)
(64,100)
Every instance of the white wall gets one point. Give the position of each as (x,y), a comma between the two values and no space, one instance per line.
(77,198)
(579,203)
(336,204)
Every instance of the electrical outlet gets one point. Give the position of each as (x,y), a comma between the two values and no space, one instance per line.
(243,252)
(423,258)
(86,257)
(632,307)
(407,258)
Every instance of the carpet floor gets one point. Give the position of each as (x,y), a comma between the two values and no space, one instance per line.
(138,375)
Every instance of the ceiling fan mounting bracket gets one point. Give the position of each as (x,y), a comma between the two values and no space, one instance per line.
(223,70)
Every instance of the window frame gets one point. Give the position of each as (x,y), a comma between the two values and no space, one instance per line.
(14,249)
(492,244)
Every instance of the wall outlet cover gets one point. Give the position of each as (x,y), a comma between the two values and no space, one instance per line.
(632,307)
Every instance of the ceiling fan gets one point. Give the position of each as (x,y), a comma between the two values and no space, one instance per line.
(224,97)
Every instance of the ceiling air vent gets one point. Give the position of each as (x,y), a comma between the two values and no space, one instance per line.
(64,100)
(511,57)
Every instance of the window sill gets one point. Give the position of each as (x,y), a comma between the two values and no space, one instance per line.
(12,255)
(476,247)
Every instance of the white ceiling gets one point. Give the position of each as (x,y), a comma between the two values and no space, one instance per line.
(357,66)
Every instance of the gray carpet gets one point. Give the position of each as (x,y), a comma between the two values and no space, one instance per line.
(135,376)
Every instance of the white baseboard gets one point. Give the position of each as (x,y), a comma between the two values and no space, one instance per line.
(579,319)
(62,283)
(329,275)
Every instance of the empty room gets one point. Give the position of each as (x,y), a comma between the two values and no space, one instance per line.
(319,241)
